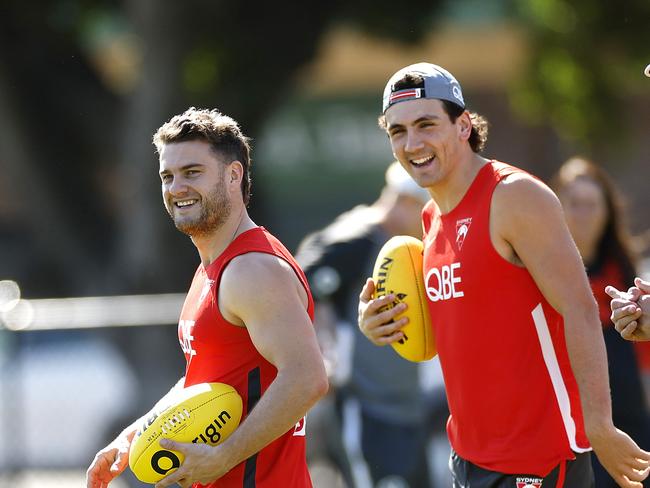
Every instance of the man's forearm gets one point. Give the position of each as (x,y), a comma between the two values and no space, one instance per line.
(586,347)
(279,409)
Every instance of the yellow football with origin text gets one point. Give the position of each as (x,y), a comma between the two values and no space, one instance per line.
(398,270)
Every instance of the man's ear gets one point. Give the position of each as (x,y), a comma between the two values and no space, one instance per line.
(235,171)
(464,123)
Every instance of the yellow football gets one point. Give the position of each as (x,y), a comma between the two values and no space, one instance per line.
(398,270)
(205,413)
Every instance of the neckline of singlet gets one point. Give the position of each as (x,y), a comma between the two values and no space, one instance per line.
(468,192)
(218,258)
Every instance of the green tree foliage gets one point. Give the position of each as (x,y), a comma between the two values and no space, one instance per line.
(586,64)
(88,81)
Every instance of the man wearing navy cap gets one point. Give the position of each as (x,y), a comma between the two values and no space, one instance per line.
(516,324)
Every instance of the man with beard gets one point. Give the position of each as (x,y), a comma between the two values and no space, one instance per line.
(246,321)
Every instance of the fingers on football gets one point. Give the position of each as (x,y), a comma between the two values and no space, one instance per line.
(175,477)
(380,302)
(179,476)
(387,333)
(166,481)
(370,315)
(170,444)
(376,316)
(367,291)
(380,325)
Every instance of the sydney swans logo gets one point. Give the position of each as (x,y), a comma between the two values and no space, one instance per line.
(462,228)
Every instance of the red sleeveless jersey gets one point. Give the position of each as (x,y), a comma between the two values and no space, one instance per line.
(512,396)
(219,351)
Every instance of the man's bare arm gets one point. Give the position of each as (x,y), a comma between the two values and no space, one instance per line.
(263,293)
(528,216)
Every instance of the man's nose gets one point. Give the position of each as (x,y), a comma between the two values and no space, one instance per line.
(413,142)
(177,186)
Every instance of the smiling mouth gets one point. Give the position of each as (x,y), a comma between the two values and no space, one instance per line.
(422,161)
(185,203)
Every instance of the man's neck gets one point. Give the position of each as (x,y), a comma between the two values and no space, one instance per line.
(210,246)
(448,193)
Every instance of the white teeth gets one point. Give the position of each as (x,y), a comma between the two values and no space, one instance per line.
(185,203)
(422,160)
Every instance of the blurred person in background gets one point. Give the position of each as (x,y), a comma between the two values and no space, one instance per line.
(517,328)
(246,321)
(594,214)
(388,429)
(631,310)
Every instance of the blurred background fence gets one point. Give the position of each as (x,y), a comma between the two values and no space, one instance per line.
(67,391)
(84,83)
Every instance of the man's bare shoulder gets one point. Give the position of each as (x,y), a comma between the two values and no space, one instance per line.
(523,208)
(257,269)
(255,284)
(522,185)
(522,195)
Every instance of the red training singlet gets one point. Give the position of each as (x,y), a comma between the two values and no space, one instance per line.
(512,396)
(219,351)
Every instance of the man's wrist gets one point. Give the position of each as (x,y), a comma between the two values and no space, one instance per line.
(598,429)
(224,456)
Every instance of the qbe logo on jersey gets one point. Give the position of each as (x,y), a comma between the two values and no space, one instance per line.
(523,482)
(186,337)
(444,283)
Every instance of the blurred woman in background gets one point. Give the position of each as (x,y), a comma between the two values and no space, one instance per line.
(593,212)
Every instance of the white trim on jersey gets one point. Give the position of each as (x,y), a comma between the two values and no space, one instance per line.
(553,368)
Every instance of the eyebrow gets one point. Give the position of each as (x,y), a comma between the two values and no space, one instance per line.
(184,168)
(416,121)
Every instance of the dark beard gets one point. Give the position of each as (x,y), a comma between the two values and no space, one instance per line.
(215,210)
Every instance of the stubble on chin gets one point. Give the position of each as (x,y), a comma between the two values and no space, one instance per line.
(214,213)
